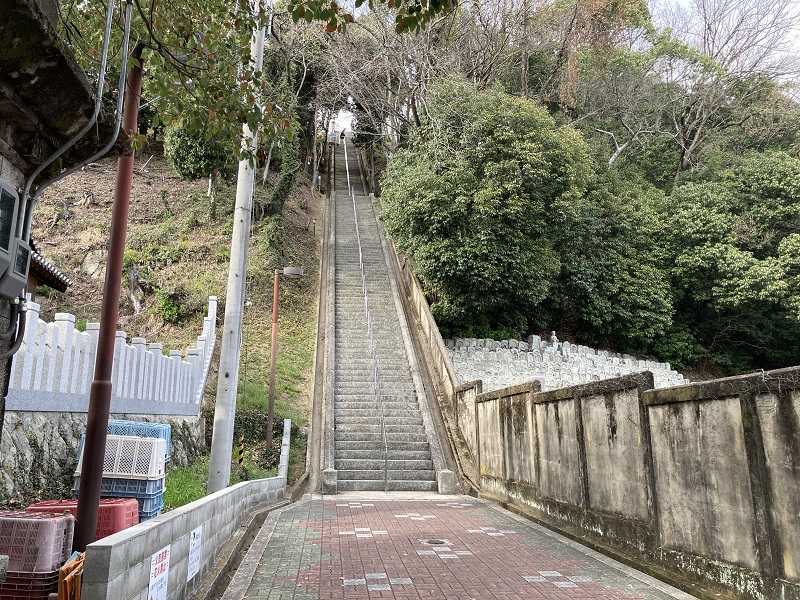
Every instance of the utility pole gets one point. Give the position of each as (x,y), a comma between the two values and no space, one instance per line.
(219,472)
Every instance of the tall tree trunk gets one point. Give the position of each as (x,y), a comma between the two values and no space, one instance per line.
(266,165)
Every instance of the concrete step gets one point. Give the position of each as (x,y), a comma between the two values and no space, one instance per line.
(371,413)
(350,464)
(388,384)
(358,420)
(393,486)
(396,438)
(369,403)
(343,386)
(376,446)
(392,475)
(388,370)
(367,431)
(401,455)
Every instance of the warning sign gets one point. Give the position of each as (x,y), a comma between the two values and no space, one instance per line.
(195,552)
(159,575)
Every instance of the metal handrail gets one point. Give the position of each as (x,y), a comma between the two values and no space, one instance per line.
(376,374)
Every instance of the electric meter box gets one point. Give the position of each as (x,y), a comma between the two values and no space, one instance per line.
(9,207)
(13,281)
(15,254)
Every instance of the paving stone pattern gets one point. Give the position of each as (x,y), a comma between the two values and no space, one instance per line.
(464,549)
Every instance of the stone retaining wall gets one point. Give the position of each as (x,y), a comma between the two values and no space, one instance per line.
(38,451)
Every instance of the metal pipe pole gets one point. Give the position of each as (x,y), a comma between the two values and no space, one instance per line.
(273,358)
(94,447)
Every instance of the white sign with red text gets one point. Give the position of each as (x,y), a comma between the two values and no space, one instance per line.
(159,574)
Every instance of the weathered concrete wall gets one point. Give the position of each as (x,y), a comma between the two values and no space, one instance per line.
(701,470)
(38,451)
(437,356)
(697,480)
(612,430)
(464,405)
(451,396)
(779,416)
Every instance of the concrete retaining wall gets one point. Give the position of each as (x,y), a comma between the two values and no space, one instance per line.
(699,480)
(118,567)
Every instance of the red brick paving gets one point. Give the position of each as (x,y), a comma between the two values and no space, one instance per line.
(338,547)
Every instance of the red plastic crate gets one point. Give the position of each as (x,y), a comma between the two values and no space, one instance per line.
(23,584)
(35,542)
(114,514)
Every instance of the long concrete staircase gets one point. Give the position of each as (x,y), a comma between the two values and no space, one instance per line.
(379,433)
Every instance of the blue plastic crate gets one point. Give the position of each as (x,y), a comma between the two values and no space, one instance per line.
(146,516)
(111,487)
(135,428)
(150,505)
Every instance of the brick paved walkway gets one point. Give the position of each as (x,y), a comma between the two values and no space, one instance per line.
(377,545)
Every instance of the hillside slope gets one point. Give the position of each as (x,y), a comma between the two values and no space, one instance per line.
(177,255)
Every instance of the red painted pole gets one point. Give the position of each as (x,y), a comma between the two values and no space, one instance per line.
(94,447)
(272,360)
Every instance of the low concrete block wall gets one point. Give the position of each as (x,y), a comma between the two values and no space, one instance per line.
(699,481)
(118,567)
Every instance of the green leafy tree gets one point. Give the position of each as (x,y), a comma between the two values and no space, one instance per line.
(613,289)
(476,200)
(200,75)
(733,243)
(192,155)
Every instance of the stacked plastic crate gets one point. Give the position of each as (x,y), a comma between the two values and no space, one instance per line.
(133,467)
(37,544)
(137,429)
(113,515)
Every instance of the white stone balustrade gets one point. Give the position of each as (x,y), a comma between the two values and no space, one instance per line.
(555,364)
(54,368)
